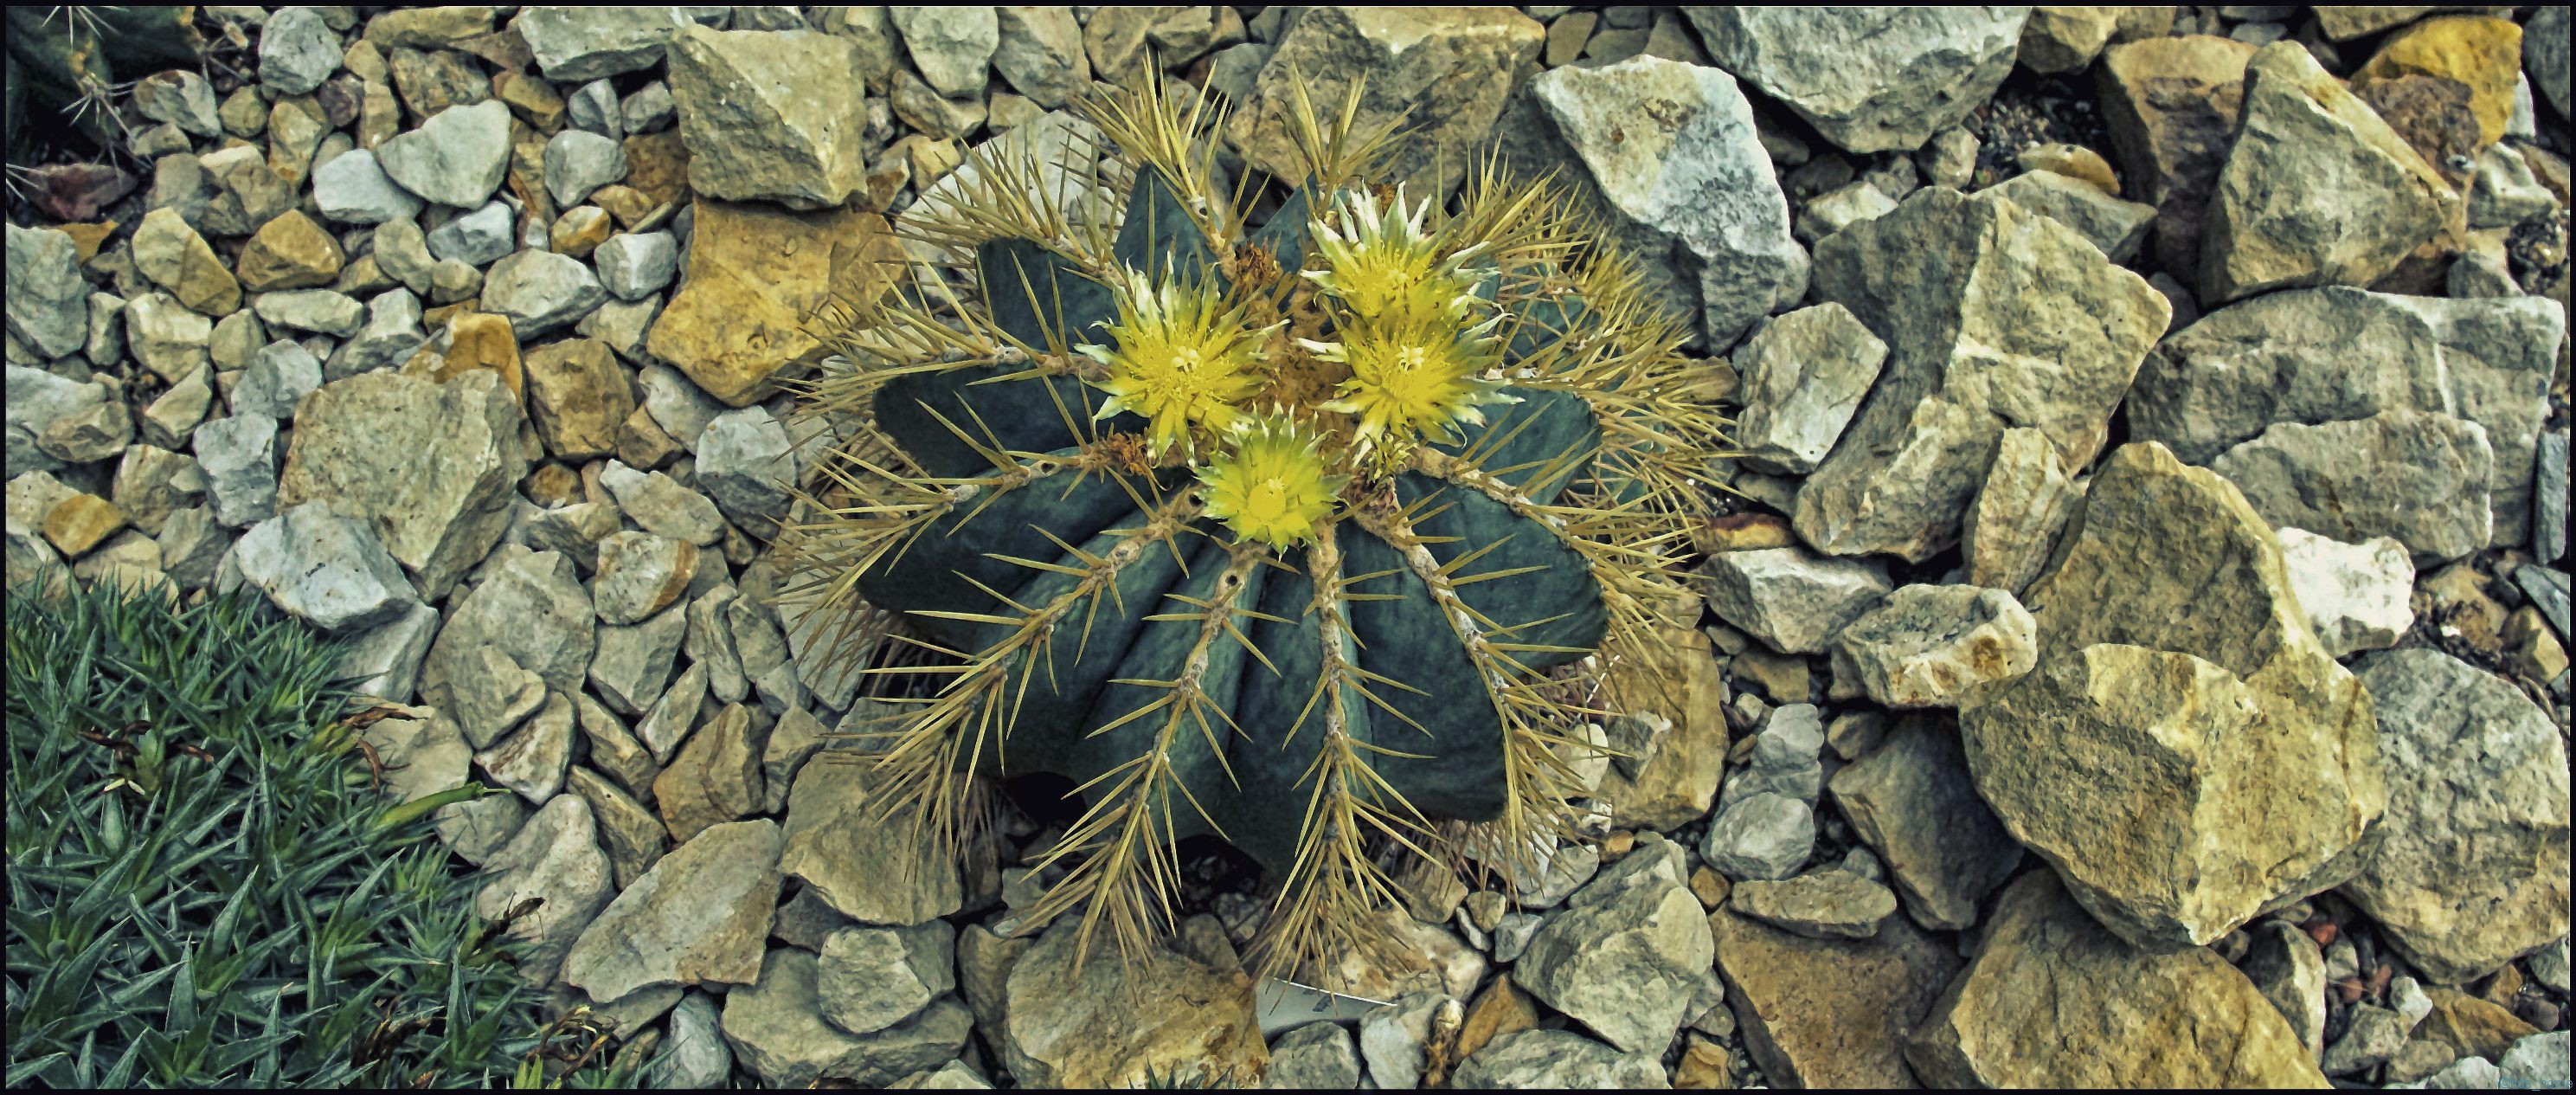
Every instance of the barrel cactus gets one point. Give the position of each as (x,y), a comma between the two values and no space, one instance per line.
(1316,536)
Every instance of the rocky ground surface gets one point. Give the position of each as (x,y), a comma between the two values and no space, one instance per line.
(2134,649)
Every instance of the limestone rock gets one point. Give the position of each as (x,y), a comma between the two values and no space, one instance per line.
(2052,1000)
(239,456)
(2417,477)
(1826,904)
(873,978)
(1446,71)
(539,291)
(1040,51)
(870,872)
(2481,52)
(289,252)
(1621,957)
(715,778)
(352,188)
(531,760)
(574,44)
(2019,510)
(1913,801)
(431,465)
(2171,723)
(1114,1022)
(754,275)
(2299,122)
(2289,969)
(1671,732)
(629,834)
(697,917)
(324,569)
(1925,646)
(755,122)
(2171,104)
(176,258)
(2067,39)
(950,45)
(456,158)
(1804,374)
(533,611)
(554,860)
(2355,595)
(777,1029)
(634,661)
(1691,194)
(2470,868)
(1560,1060)
(1870,80)
(2118,227)
(1793,601)
(1995,317)
(577,395)
(1315,1057)
(48,300)
(1829,1013)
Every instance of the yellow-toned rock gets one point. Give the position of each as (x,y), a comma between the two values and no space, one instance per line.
(289,252)
(176,258)
(2055,1001)
(1112,1023)
(1670,731)
(475,340)
(579,231)
(756,276)
(579,396)
(2482,52)
(81,522)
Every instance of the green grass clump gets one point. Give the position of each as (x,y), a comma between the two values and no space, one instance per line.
(205,887)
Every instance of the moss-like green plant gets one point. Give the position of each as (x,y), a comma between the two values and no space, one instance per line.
(1305,535)
(205,887)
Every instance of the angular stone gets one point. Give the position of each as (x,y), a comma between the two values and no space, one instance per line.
(1925,646)
(539,291)
(166,337)
(1446,71)
(1825,904)
(457,157)
(868,871)
(1870,80)
(1950,284)
(1793,601)
(1621,958)
(754,275)
(176,258)
(324,569)
(698,917)
(476,238)
(2470,868)
(578,162)
(289,252)
(385,661)
(241,192)
(663,728)
(2417,477)
(574,44)
(1804,374)
(532,760)
(1315,1057)
(532,610)
(555,861)
(1040,51)
(1829,1013)
(2117,227)
(2022,505)
(2287,967)
(239,455)
(2052,1000)
(1556,1059)
(439,500)
(754,129)
(634,662)
(635,266)
(2172,106)
(2355,595)
(1112,1023)
(2481,52)
(715,778)
(578,395)
(151,482)
(1913,801)
(662,505)
(1765,835)
(322,311)
(777,1029)
(48,300)
(2383,202)
(873,978)
(280,377)
(2179,691)
(1670,734)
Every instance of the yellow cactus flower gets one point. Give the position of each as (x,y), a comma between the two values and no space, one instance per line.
(1179,358)
(1417,381)
(1274,487)
(1385,270)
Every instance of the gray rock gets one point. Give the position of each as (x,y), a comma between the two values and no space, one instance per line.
(531,610)
(678,405)
(744,463)
(485,692)
(2415,476)
(440,498)
(323,311)
(662,505)
(1541,1060)
(2118,227)
(2544,55)
(1925,645)
(574,44)
(239,455)
(2373,202)
(2549,966)
(540,291)
(151,482)
(1314,1057)
(391,335)
(578,161)
(1791,600)
(166,337)
(532,760)
(2536,1060)
(181,98)
(1445,71)
(873,978)
(457,157)
(192,545)
(595,109)
(710,645)
(324,569)
(555,860)
(1039,50)
(283,373)
(667,724)
(47,299)
(634,662)
(2287,967)
(426,756)
(631,835)
(36,400)
(477,238)
(649,110)
(869,872)
(1393,1038)
(615,751)
(778,1031)
(1841,208)
(1623,957)
(1913,801)
(2355,595)
(2547,589)
(1767,835)
(386,660)
(640,574)
(574,531)
(2374,1035)
(1825,904)
(1804,374)
(1694,197)
(2502,192)
(795,740)
(297,51)
(2042,333)
(402,253)
(172,419)
(951,46)
(754,127)
(698,917)
(88,435)
(1868,79)
(696,1055)
(2019,510)
(1786,758)
(637,265)
(2470,870)
(2549,499)
(829,653)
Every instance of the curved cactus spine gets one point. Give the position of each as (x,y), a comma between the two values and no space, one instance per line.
(1312,537)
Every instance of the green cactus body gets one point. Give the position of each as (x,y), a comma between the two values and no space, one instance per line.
(1225,569)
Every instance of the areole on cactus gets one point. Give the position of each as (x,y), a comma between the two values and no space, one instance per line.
(1318,537)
